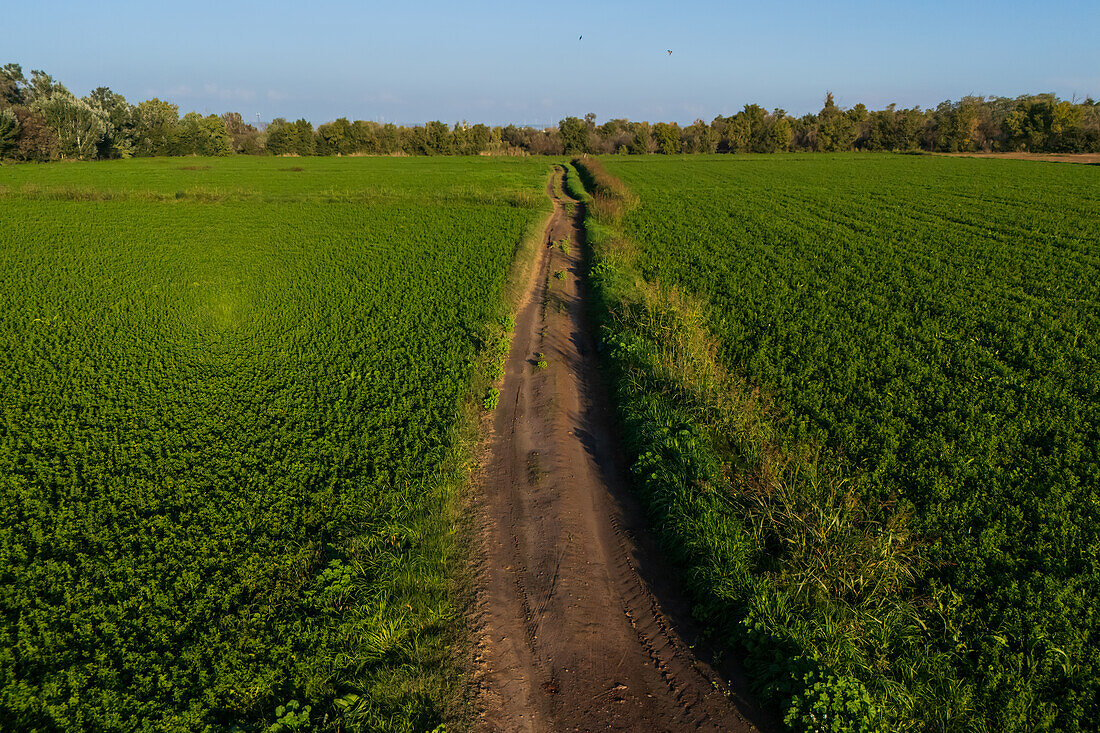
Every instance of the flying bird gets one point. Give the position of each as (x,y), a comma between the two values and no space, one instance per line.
(580,37)
(670,52)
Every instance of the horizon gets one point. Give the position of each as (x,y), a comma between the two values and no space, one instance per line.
(512,66)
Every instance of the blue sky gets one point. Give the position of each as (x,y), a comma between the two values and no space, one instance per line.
(502,62)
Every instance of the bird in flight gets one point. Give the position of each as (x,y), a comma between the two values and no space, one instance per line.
(670,52)
(580,37)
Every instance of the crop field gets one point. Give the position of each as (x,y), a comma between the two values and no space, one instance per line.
(920,341)
(231,399)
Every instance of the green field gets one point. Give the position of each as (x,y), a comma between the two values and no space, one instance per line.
(861,395)
(907,508)
(232,394)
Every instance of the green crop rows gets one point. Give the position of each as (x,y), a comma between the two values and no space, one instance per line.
(230,398)
(927,330)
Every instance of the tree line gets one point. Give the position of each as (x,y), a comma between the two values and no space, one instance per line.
(40,120)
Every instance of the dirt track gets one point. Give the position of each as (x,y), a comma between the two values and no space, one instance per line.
(1087,158)
(575,610)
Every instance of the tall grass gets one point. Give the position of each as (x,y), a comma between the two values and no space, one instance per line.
(608,197)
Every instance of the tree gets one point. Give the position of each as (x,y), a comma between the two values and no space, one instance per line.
(756,118)
(155,126)
(365,136)
(459,134)
(1066,135)
(780,133)
(217,140)
(835,130)
(642,140)
(389,139)
(305,142)
(667,138)
(496,140)
(739,134)
(187,139)
(280,137)
(9,132)
(198,135)
(860,119)
(336,138)
(11,85)
(614,135)
(36,140)
(41,86)
(574,135)
(117,140)
(244,138)
(78,126)
(894,129)
(477,139)
(290,138)
(699,137)
(438,139)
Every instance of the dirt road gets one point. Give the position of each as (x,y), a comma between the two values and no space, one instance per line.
(576,616)
(1086,158)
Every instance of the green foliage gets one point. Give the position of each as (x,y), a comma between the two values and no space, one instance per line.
(573,186)
(12,84)
(290,718)
(78,126)
(36,140)
(867,423)
(228,434)
(1044,123)
(497,343)
(836,130)
(492,398)
(667,138)
(290,138)
(198,135)
(574,135)
(118,117)
(155,124)
(9,132)
(830,704)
